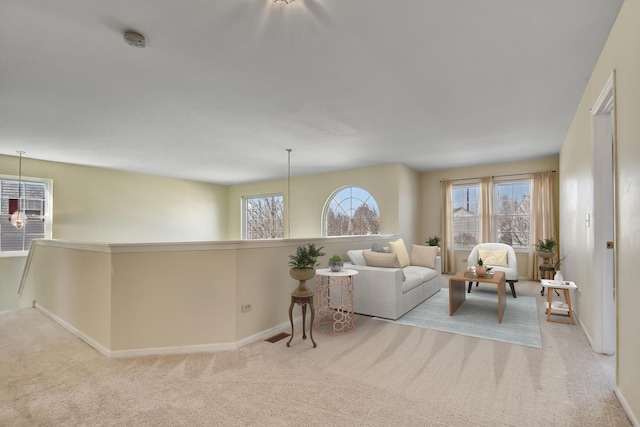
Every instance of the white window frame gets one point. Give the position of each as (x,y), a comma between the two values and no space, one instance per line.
(329,201)
(48,210)
(245,200)
(477,216)
(496,206)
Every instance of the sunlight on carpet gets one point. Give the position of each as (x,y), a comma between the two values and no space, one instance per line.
(478,317)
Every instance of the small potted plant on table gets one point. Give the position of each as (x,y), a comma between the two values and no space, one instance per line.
(335,263)
(480,268)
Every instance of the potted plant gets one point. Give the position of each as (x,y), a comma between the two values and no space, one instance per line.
(545,250)
(480,268)
(303,267)
(335,263)
(433,241)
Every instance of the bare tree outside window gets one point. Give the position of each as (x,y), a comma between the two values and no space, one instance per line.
(264,217)
(465,215)
(513,203)
(351,211)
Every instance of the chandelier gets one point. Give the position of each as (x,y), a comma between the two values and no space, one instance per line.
(19,217)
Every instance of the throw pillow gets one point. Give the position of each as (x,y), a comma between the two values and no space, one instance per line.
(397,247)
(496,258)
(355,256)
(378,247)
(380,259)
(423,256)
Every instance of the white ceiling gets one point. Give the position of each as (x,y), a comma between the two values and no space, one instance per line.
(225,86)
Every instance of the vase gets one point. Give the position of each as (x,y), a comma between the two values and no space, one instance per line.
(335,266)
(302,275)
(558,277)
(480,270)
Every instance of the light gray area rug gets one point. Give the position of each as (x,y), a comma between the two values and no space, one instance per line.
(478,317)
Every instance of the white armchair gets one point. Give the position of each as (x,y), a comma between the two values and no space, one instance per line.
(510,267)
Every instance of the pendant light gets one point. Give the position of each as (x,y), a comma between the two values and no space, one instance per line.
(19,218)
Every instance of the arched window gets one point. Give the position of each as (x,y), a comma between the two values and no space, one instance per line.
(351,211)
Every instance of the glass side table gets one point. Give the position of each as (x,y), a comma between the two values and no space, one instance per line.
(334,301)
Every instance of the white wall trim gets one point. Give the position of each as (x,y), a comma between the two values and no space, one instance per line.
(84,337)
(167,351)
(626,407)
(202,246)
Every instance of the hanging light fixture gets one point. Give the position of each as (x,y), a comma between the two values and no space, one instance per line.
(288,150)
(19,217)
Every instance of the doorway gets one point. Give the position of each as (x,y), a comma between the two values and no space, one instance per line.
(603,221)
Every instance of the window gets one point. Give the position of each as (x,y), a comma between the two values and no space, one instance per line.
(465,215)
(511,208)
(351,211)
(263,217)
(36,203)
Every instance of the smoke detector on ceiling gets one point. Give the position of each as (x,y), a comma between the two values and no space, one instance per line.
(135,39)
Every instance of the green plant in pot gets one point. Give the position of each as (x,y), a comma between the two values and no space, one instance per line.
(335,263)
(303,267)
(545,250)
(481,270)
(433,241)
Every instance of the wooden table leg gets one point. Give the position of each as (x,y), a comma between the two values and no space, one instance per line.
(567,298)
(549,299)
(304,320)
(311,325)
(457,295)
(502,299)
(291,320)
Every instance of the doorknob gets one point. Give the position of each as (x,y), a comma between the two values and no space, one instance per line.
(609,245)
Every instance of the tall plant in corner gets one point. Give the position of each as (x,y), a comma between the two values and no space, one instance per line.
(303,267)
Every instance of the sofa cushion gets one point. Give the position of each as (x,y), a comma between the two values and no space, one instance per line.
(425,274)
(496,258)
(411,281)
(397,247)
(423,256)
(355,256)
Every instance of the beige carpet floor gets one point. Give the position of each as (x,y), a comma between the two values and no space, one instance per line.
(383,374)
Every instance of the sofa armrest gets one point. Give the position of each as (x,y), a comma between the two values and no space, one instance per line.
(438,265)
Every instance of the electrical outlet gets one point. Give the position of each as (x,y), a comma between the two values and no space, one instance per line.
(246,307)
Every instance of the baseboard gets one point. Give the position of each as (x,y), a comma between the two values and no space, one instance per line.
(78,333)
(627,408)
(164,351)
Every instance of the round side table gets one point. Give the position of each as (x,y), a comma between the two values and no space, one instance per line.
(334,301)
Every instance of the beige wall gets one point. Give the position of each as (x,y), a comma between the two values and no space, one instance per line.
(620,54)
(393,186)
(103,205)
(128,299)
(74,285)
(430,195)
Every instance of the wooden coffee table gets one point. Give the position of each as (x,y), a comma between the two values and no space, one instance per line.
(458,294)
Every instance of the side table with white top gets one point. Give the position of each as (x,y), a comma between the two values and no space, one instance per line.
(558,308)
(334,301)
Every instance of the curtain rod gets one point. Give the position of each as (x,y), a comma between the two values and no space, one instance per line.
(495,176)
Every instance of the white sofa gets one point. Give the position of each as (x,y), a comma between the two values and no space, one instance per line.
(382,292)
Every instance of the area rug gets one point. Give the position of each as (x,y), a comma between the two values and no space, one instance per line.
(478,317)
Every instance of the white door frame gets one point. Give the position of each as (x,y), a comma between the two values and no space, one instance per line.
(604,214)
